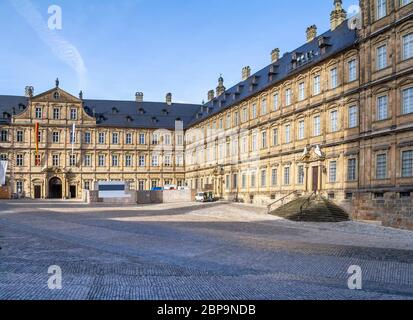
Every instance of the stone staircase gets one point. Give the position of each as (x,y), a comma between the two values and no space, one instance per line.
(312,208)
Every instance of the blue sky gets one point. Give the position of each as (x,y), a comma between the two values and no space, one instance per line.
(153,46)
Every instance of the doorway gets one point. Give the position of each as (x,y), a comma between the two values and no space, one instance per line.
(315,179)
(37,192)
(72,191)
(55,188)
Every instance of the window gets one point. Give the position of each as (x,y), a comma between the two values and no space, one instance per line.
(408,46)
(19,187)
(128,138)
(167,161)
(19,160)
(155,139)
(180,160)
(38,113)
(407,164)
(235,181)
(3,157)
(353,117)
(275,137)
(180,140)
(381,166)
(381,57)
(352,70)
(301,91)
(141,138)
(244,181)
(300,174)
(56,113)
(72,160)
(86,185)
(55,160)
(128,160)
(288,97)
(253,179)
(244,115)
(37,159)
(141,185)
(352,169)
(403,3)
(317,126)
(87,137)
(333,172)
(155,161)
(55,137)
(236,119)
(101,160)
(264,139)
(244,145)
(381,9)
(154,184)
(407,101)
(287,133)
(227,182)
(167,139)
(87,160)
(286,176)
(73,114)
(264,106)
(301,127)
(382,108)
(334,121)
(317,85)
(141,161)
(72,137)
(254,142)
(275,102)
(101,138)
(254,111)
(115,160)
(3,136)
(39,137)
(19,136)
(334,78)
(115,138)
(274,177)
(263,178)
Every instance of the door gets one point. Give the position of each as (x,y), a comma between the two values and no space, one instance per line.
(315,179)
(37,192)
(55,188)
(72,192)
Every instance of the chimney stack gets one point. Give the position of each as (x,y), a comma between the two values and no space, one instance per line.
(275,55)
(311,33)
(139,96)
(211,95)
(338,15)
(246,72)
(169,99)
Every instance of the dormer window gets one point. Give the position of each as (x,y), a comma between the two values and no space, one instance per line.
(115,110)
(21,106)
(129,119)
(141,111)
(6,115)
(165,112)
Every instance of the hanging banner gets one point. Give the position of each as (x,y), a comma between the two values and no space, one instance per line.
(73,137)
(36,137)
(3,170)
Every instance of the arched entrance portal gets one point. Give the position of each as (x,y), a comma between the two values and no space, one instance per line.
(55,188)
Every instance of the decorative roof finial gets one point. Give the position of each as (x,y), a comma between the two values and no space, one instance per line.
(81,95)
(57,82)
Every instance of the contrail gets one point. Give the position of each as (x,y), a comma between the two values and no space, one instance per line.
(60,47)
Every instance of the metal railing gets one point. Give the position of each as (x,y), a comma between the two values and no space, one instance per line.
(280,200)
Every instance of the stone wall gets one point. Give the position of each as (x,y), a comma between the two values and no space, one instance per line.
(93,197)
(165,196)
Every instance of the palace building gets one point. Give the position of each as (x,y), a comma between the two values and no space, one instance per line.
(333,116)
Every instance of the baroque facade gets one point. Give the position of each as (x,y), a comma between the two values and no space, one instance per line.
(333,116)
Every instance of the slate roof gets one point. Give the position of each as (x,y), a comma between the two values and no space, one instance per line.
(159,115)
(338,40)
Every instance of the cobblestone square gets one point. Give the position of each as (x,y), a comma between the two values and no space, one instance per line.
(194,251)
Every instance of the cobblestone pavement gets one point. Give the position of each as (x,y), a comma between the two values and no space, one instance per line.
(194,251)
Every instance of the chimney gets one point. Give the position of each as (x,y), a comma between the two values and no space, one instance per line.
(311,33)
(338,15)
(29,91)
(275,55)
(169,99)
(246,72)
(211,95)
(139,96)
